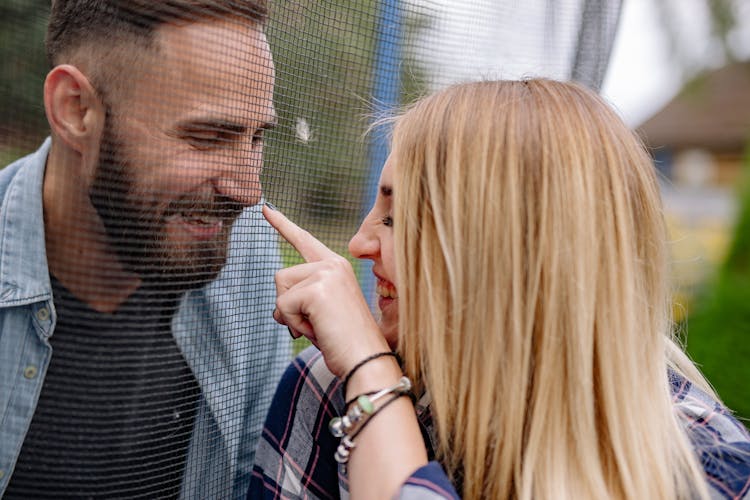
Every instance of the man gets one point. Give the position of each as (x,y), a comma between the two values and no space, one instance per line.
(137,348)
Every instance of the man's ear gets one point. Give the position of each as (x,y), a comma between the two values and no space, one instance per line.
(74,110)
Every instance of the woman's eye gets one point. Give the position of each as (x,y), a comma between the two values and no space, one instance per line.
(387,221)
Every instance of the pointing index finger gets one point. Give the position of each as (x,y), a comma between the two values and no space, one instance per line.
(305,243)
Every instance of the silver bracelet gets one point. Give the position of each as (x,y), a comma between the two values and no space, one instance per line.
(363,406)
(350,425)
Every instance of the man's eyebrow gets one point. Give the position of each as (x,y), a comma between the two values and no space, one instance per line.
(386,190)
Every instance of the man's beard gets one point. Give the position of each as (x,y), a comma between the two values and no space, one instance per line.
(137,232)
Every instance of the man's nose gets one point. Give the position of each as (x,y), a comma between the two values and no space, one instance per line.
(238,178)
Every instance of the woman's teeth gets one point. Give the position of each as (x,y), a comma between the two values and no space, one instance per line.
(387,291)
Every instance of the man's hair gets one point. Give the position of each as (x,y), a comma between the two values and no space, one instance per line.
(74,23)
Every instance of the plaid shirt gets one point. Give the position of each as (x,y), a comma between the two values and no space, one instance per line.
(294,458)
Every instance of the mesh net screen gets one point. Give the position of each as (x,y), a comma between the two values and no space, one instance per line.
(138,353)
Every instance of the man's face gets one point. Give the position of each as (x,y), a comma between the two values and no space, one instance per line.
(182,157)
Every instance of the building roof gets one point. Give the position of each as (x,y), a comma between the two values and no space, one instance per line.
(711,112)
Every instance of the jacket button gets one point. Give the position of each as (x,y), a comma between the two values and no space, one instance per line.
(30,371)
(42,314)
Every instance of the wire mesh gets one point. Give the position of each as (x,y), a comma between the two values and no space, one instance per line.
(138,353)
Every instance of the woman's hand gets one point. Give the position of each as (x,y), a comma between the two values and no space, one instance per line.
(322,300)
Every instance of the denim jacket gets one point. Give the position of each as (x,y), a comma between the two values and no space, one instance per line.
(225,331)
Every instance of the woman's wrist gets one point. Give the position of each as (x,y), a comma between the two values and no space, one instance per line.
(372,376)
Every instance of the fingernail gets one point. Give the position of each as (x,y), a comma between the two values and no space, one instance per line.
(292,333)
(270,205)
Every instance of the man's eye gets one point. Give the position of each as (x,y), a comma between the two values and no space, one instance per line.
(258,138)
(204,141)
(209,138)
(387,221)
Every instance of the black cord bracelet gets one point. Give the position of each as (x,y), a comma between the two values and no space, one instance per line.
(365,361)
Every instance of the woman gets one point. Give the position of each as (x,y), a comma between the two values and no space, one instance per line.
(522,262)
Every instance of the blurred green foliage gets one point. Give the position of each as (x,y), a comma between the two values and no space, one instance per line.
(324,55)
(718,330)
(24,66)
(318,158)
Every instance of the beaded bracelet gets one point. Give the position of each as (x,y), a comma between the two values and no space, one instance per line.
(347,442)
(364,405)
(365,361)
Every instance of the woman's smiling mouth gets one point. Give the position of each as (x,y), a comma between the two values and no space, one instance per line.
(386,292)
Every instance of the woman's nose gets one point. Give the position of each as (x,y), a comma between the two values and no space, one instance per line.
(364,244)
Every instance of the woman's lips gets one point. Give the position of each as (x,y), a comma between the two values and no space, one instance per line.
(386,292)
(384,302)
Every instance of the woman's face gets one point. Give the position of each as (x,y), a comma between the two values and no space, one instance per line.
(374,241)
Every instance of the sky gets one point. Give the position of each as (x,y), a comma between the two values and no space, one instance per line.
(645,72)
(640,78)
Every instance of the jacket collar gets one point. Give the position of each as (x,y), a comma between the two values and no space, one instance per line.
(24,275)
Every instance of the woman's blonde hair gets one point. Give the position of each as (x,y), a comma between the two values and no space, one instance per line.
(533,294)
